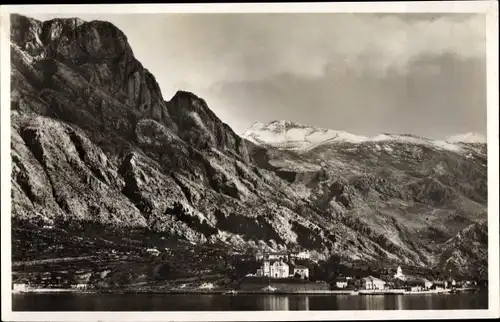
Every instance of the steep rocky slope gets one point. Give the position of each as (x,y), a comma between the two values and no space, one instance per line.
(412,195)
(94,141)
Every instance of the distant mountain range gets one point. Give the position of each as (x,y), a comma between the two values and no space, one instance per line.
(93,141)
(293,136)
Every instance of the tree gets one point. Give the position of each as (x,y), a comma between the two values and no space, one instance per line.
(332,266)
(243,267)
(317,271)
(163,271)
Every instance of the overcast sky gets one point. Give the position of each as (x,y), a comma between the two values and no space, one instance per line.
(363,73)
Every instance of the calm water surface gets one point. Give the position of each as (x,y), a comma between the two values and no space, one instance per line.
(204,302)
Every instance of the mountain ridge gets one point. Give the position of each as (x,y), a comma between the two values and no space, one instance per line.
(279,125)
(284,134)
(93,140)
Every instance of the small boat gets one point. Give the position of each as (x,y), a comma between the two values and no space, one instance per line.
(231,292)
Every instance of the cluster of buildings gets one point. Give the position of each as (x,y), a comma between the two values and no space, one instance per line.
(280,269)
(399,280)
(281,265)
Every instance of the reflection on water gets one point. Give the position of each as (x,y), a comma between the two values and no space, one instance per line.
(400,305)
(305,305)
(374,302)
(283,303)
(198,302)
(275,303)
(428,301)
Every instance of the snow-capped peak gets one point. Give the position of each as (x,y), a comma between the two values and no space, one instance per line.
(293,136)
(276,126)
(470,137)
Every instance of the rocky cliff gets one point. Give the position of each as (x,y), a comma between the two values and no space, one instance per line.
(93,140)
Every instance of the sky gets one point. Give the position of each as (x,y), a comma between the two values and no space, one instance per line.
(364,73)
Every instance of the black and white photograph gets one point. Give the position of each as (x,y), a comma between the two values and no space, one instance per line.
(250,159)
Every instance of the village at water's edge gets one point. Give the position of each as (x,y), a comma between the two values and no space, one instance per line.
(280,272)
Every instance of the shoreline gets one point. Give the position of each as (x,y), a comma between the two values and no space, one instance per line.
(242,292)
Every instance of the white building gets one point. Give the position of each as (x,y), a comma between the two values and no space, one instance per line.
(153,251)
(302,271)
(373,283)
(341,284)
(399,274)
(277,269)
(19,287)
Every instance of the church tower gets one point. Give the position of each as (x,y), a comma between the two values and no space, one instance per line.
(399,274)
(266,268)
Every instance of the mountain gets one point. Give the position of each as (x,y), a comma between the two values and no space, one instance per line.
(293,136)
(94,143)
(469,137)
(412,195)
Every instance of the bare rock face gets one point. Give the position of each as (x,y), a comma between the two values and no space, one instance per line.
(93,140)
(467,252)
(64,175)
(201,128)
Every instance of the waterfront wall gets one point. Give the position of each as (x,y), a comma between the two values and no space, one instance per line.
(283,285)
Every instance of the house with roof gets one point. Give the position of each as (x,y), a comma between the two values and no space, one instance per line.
(341,282)
(372,283)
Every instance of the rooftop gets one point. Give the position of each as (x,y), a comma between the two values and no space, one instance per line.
(373,279)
